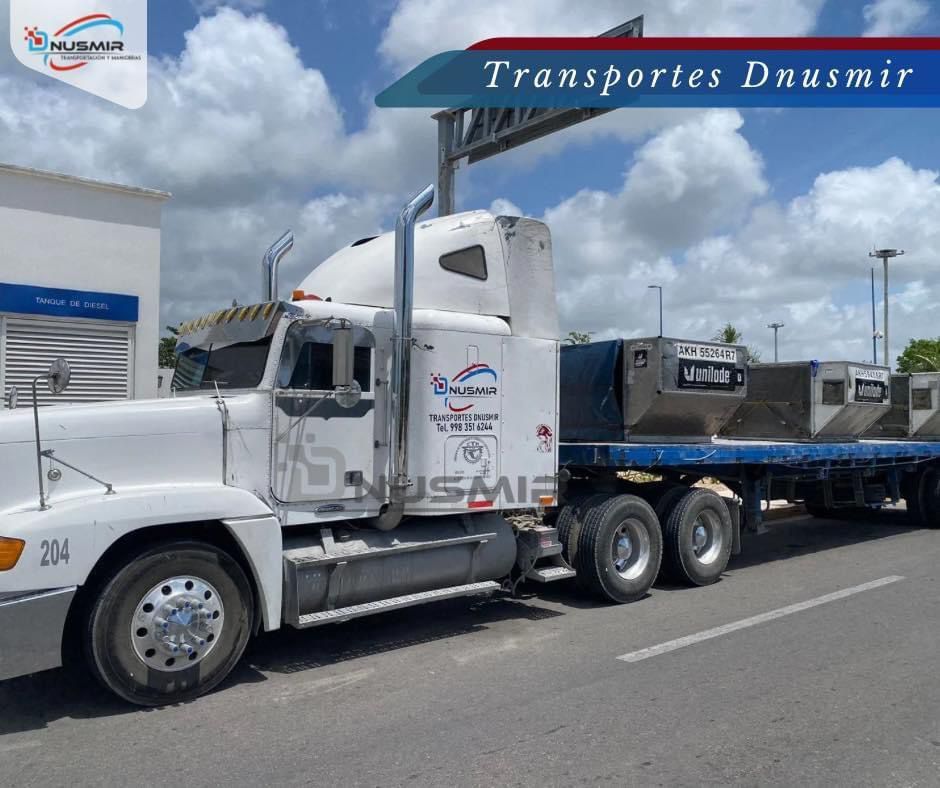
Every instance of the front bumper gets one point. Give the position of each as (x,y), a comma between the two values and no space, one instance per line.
(31,627)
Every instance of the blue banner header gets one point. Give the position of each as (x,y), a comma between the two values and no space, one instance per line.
(679,73)
(55,302)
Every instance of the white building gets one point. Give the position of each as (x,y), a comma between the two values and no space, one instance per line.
(79,278)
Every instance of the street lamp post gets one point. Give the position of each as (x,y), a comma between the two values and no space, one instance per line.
(659,287)
(885,255)
(874,324)
(776,327)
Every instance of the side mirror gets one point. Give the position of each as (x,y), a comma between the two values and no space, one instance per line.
(346,390)
(59,375)
(12,396)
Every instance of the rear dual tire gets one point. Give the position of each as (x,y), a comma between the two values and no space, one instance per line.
(921,493)
(614,543)
(697,538)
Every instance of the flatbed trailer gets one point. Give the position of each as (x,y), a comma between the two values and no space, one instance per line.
(824,476)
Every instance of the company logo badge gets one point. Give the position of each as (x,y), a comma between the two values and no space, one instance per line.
(101,51)
(545,438)
(464,390)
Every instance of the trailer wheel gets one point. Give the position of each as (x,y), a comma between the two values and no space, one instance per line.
(570,519)
(910,492)
(619,548)
(170,625)
(929,497)
(697,539)
(668,500)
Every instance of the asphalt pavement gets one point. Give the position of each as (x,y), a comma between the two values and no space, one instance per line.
(814,661)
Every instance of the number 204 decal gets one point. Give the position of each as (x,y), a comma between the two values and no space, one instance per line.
(54,552)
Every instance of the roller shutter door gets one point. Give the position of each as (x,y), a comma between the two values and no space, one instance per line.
(100,355)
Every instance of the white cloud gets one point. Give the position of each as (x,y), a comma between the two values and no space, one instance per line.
(208,6)
(503,207)
(693,216)
(244,136)
(894,17)
(251,141)
(420,28)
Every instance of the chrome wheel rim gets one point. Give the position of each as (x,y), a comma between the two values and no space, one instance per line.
(630,550)
(707,538)
(177,623)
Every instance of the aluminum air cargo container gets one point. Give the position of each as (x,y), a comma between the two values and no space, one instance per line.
(811,400)
(915,409)
(642,390)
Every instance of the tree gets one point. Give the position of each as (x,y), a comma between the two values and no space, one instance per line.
(920,355)
(729,335)
(166,352)
(578,337)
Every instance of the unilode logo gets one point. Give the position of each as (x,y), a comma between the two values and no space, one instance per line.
(102,50)
(63,52)
(461,392)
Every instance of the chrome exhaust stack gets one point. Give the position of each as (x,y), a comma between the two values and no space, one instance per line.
(401,356)
(269,264)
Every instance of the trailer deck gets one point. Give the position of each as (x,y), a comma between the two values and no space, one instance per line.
(858,474)
(715,458)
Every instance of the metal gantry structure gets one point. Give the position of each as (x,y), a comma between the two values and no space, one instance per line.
(478,133)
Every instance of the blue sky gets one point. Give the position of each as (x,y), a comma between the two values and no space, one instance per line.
(340,38)
(260,117)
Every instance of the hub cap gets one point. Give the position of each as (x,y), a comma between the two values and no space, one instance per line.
(707,538)
(177,623)
(630,549)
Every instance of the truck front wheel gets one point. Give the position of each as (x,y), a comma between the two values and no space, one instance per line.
(170,625)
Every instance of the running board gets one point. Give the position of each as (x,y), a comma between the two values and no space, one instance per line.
(394,603)
(549,574)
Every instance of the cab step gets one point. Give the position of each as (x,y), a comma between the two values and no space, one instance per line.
(549,574)
(341,614)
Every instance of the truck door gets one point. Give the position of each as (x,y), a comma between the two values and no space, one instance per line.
(323,452)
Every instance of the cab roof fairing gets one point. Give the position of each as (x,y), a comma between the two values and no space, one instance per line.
(363,273)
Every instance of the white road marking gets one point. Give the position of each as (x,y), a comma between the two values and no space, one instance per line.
(708,634)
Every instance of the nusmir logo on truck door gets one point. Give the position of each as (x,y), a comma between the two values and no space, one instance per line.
(461,392)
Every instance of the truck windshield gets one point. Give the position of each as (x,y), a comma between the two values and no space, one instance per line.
(232,365)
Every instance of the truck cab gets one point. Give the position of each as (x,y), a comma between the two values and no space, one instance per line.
(344,452)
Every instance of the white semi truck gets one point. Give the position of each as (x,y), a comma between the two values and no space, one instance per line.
(361,448)
(322,459)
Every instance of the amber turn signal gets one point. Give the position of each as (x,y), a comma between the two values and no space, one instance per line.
(10,552)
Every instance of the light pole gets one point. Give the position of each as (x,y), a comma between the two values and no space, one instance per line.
(885,255)
(659,287)
(874,325)
(776,327)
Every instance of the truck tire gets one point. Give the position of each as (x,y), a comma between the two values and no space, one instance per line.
(619,549)
(697,539)
(910,492)
(169,625)
(929,497)
(668,500)
(570,519)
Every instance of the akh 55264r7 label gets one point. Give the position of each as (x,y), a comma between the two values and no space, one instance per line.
(707,367)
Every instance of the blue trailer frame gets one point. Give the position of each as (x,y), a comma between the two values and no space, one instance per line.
(755,469)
